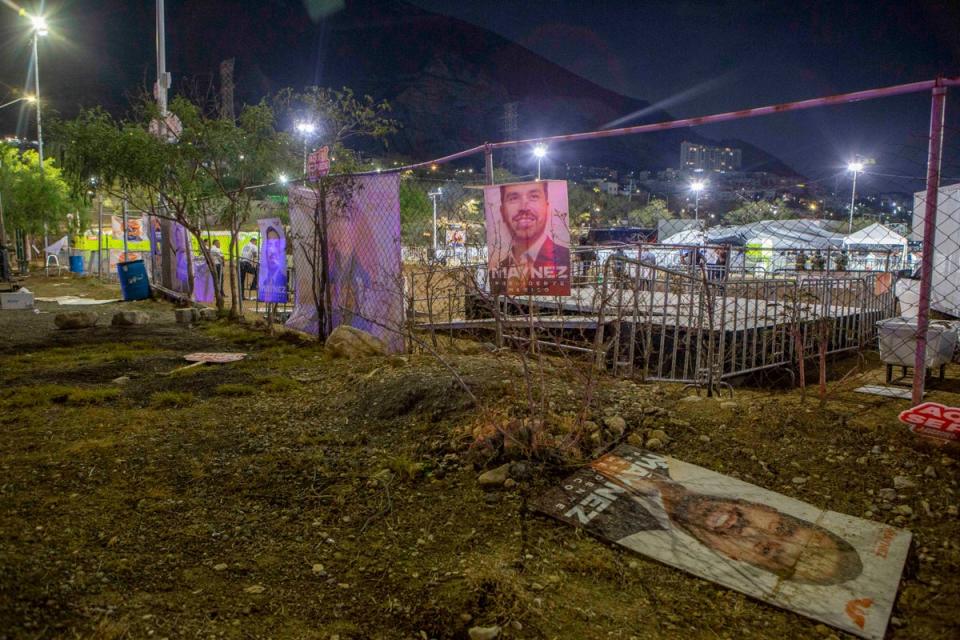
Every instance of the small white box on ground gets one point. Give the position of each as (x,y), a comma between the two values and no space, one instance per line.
(20,299)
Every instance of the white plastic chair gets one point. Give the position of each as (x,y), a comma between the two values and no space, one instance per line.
(53,262)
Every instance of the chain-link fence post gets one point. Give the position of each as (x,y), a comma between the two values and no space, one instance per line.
(937,111)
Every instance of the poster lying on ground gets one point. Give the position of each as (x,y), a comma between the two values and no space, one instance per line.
(528,238)
(364,280)
(834,568)
(272,276)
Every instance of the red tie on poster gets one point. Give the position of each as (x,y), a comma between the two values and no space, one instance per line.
(933,419)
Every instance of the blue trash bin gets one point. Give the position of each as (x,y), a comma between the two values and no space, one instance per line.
(134,284)
(76,264)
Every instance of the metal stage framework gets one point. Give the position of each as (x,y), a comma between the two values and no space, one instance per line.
(672,324)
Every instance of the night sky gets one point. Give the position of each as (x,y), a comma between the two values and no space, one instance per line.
(689,58)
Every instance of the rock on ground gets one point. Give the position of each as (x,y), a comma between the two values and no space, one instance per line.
(130,318)
(616,424)
(183,316)
(349,342)
(484,633)
(75,320)
(208,314)
(494,477)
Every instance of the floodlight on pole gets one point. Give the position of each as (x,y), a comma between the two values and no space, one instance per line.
(29,99)
(856,167)
(540,151)
(40,29)
(697,187)
(305,129)
(283,179)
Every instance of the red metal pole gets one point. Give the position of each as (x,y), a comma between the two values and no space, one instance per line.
(842,98)
(937,110)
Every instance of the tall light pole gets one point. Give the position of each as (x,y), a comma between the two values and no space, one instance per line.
(697,187)
(856,167)
(306,129)
(540,151)
(433,196)
(163,79)
(40,29)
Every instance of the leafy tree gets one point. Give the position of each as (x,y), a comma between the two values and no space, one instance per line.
(32,202)
(416,212)
(340,116)
(649,215)
(779,209)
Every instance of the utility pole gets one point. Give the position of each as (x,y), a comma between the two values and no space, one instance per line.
(163,80)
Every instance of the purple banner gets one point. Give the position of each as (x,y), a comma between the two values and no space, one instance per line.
(181,257)
(363,248)
(272,278)
(202,281)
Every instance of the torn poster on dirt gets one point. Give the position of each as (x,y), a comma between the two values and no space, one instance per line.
(214,357)
(834,568)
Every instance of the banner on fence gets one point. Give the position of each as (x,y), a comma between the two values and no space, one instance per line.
(272,277)
(318,163)
(837,569)
(203,287)
(180,249)
(528,238)
(456,237)
(135,228)
(154,234)
(364,282)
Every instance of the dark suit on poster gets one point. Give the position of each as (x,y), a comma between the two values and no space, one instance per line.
(548,274)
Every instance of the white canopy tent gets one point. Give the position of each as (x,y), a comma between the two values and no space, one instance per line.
(876,237)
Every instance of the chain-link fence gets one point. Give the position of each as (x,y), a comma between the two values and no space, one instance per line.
(759,272)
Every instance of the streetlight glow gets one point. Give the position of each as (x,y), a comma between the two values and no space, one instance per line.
(40,25)
(283,179)
(540,152)
(306,128)
(855,167)
(697,186)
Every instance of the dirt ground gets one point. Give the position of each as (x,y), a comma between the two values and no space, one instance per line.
(293,495)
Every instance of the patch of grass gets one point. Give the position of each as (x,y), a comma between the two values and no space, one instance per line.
(42,394)
(33,396)
(171,399)
(80,397)
(277,384)
(233,332)
(234,389)
(404,467)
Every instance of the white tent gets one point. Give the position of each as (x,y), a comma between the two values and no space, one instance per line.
(876,237)
(690,237)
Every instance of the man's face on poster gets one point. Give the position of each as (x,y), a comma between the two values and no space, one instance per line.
(766,538)
(272,250)
(525,210)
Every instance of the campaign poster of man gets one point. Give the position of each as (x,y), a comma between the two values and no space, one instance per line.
(272,277)
(134,228)
(834,568)
(528,238)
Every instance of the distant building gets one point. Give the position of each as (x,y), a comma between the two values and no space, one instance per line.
(699,157)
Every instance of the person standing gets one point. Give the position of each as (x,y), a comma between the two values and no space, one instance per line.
(217,254)
(249,263)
